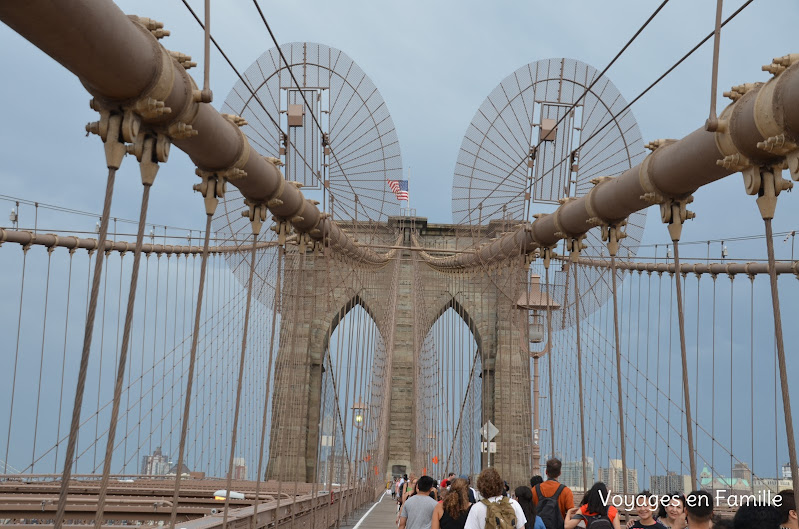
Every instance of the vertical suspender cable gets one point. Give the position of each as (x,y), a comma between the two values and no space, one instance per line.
(268,382)
(786,396)
(192,358)
(87,345)
(712,120)
(41,357)
(234,433)
(123,355)
(63,361)
(16,358)
(622,438)
(549,364)
(684,358)
(580,371)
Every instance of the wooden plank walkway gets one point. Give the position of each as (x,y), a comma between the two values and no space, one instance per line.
(381,515)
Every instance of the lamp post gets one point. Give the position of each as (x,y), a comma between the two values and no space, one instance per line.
(359,412)
(534,301)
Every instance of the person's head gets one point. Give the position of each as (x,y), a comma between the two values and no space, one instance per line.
(456,502)
(672,507)
(424,484)
(644,506)
(699,507)
(756,517)
(451,475)
(553,468)
(787,510)
(405,477)
(535,480)
(524,495)
(489,483)
(723,523)
(595,499)
(467,478)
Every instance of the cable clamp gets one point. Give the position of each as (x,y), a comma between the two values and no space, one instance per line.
(212,189)
(256,212)
(674,213)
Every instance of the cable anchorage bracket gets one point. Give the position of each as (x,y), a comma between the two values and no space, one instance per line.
(674,212)
(212,189)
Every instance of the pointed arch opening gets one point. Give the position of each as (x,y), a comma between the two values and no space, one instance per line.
(450,394)
(352,404)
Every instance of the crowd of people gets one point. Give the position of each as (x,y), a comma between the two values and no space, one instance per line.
(452,503)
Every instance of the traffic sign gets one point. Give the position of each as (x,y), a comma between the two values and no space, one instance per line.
(489,431)
(491,448)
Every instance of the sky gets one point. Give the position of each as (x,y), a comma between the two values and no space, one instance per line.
(434,63)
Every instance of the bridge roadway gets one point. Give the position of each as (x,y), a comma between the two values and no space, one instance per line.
(380,515)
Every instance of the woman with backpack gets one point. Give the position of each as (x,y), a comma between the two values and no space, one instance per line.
(524,495)
(593,513)
(494,511)
(452,512)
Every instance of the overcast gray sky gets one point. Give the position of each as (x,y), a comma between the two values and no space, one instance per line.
(433,62)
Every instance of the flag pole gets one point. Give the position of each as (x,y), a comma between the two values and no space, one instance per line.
(409,191)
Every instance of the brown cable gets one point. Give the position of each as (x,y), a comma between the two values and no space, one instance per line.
(234,433)
(84,359)
(190,380)
(622,438)
(280,254)
(580,372)
(123,356)
(786,396)
(684,359)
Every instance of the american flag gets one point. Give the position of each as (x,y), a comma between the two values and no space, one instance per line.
(400,188)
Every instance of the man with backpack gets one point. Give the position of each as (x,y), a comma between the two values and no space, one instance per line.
(552,500)
(494,511)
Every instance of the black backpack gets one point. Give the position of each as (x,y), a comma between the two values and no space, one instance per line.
(599,521)
(548,509)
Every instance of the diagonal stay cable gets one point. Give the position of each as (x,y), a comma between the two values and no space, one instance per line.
(639,96)
(585,92)
(302,94)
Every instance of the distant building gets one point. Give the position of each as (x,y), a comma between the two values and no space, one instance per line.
(671,482)
(726,486)
(185,470)
(773,484)
(614,479)
(786,471)
(155,464)
(571,473)
(741,471)
(239,468)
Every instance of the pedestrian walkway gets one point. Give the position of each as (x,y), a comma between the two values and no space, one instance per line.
(380,515)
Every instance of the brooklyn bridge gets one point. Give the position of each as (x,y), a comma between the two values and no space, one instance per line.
(277,337)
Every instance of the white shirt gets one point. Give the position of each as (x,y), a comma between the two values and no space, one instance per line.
(477,514)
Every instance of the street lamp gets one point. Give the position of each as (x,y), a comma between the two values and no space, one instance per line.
(359,412)
(535,301)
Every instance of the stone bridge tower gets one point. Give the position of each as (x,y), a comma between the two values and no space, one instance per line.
(404,299)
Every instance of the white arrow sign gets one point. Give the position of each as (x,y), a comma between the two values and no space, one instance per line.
(489,431)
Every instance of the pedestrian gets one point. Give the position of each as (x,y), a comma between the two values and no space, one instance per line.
(787,510)
(593,510)
(452,512)
(494,505)
(646,507)
(417,511)
(756,517)
(672,511)
(524,495)
(552,499)
(699,510)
